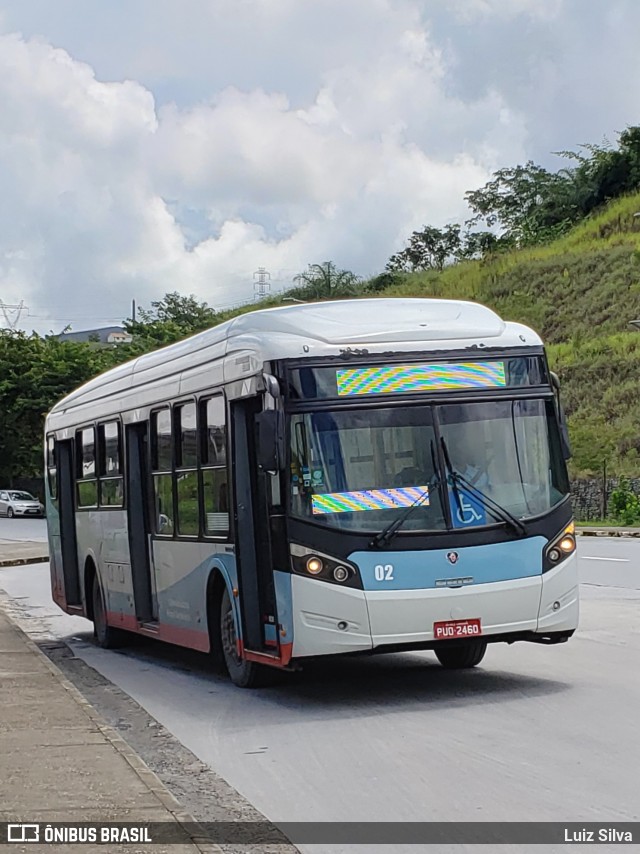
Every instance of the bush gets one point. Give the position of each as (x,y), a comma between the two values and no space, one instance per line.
(625,504)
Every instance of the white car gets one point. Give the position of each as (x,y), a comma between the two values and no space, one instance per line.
(14,502)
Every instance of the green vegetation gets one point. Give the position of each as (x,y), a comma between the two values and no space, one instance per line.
(34,373)
(625,505)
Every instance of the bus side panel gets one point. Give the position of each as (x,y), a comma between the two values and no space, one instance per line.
(328,618)
(560,589)
(102,537)
(115,566)
(182,570)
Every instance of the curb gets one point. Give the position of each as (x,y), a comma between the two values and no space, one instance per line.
(152,782)
(21,561)
(630,533)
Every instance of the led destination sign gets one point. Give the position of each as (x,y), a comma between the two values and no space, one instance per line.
(390,379)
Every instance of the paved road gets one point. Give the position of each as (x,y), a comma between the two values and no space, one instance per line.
(23,529)
(535,733)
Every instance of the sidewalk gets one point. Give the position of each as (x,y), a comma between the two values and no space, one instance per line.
(15,552)
(60,762)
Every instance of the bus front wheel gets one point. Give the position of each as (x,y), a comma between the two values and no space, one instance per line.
(462,656)
(244,674)
(106,636)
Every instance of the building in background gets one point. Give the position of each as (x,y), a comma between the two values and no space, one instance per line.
(105,335)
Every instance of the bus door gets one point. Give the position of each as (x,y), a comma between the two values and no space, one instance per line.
(252,509)
(67,510)
(139,502)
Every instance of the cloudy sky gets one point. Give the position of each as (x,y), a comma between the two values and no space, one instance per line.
(157,145)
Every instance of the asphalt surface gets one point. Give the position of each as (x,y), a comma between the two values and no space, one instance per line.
(534,734)
(23,529)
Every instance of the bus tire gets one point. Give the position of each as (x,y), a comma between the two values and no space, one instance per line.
(244,674)
(461,656)
(106,636)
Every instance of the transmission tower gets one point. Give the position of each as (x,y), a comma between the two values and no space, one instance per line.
(261,283)
(12,314)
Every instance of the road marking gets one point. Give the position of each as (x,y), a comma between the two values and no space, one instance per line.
(616,559)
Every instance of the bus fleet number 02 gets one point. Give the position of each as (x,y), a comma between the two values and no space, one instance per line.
(383,572)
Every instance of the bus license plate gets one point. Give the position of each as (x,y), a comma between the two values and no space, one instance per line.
(457,629)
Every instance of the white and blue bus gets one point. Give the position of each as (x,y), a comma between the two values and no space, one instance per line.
(355,476)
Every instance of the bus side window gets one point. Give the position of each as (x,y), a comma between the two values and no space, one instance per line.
(161,466)
(188,506)
(109,465)
(213,430)
(86,480)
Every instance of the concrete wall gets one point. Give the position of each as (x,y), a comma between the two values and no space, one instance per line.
(591,496)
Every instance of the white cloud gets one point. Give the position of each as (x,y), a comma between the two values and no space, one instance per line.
(99,184)
(236,134)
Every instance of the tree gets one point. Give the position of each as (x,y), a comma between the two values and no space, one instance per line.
(630,147)
(479,244)
(529,203)
(324,281)
(170,319)
(35,373)
(604,172)
(429,249)
(381,282)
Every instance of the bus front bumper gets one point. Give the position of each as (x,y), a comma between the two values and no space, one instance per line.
(329,619)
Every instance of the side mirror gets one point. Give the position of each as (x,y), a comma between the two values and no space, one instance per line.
(270,440)
(555,380)
(272,386)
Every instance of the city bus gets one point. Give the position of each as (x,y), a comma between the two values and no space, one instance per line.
(353,476)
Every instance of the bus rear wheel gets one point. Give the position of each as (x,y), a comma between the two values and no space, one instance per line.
(106,636)
(461,656)
(244,674)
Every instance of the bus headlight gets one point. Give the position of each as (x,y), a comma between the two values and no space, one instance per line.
(560,548)
(314,565)
(307,561)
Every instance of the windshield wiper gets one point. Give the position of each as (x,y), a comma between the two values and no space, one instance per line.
(497,510)
(388,533)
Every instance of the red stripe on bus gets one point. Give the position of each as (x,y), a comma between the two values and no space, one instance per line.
(190,638)
(281,660)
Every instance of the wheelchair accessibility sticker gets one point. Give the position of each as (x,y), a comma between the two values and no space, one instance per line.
(466,510)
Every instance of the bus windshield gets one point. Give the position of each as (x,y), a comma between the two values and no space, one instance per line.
(360,469)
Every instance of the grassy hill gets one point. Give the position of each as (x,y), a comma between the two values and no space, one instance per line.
(579,293)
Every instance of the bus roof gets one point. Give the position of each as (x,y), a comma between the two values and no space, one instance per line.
(313,329)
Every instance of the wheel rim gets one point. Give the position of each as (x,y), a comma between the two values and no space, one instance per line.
(228,635)
(10,513)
